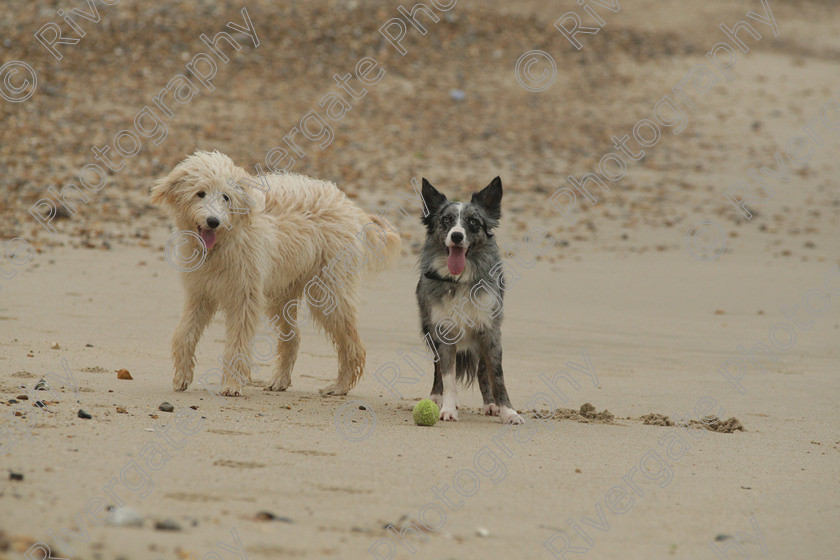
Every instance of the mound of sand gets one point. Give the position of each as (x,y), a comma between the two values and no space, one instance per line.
(712,423)
(587,414)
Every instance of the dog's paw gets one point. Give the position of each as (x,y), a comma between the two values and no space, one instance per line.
(231,392)
(276,387)
(181,381)
(279,383)
(334,390)
(437,399)
(449,414)
(510,416)
(491,409)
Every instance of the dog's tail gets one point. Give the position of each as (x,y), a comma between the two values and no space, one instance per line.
(382,243)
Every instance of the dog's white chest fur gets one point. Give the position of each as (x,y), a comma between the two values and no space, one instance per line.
(462,313)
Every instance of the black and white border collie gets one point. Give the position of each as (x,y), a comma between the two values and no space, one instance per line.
(460,295)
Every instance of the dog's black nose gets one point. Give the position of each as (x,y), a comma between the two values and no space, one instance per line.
(213,222)
(457,237)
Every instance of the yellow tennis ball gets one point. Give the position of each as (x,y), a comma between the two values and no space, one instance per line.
(426,413)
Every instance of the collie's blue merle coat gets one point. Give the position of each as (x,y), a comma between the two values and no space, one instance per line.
(460,295)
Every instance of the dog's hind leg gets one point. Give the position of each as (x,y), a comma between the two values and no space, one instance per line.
(485,384)
(341,326)
(466,367)
(197,314)
(437,386)
(288,342)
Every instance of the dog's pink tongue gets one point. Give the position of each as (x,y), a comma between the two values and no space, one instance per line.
(456,260)
(209,238)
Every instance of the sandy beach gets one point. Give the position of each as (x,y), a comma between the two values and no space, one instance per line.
(662,301)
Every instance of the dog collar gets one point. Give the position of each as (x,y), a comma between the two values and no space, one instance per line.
(432,275)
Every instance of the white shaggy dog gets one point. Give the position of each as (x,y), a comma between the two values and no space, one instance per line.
(272,242)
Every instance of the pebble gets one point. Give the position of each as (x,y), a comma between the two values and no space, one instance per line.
(126,517)
(83,414)
(121,410)
(124,374)
(268,516)
(167,525)
(15,475)
(482,532)
(166,407)
(42,385)
(457,94)
(55,346)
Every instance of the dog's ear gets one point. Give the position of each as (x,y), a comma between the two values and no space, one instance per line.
(163,189)
(432,201)
(490,198)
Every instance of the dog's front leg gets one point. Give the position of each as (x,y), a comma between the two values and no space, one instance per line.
(494,373)
(240,326)
(449,407)
(197,314)
(436,394)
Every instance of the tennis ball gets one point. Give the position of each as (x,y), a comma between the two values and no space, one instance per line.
(426,413)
